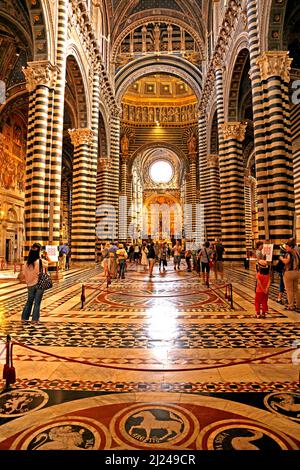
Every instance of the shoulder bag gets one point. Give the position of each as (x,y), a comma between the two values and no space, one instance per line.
(44,279)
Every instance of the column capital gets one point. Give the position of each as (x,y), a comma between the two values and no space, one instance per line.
(275,63)
(234,130)
(218,63)
(116,111)
(192,157)
(81,136)
(124,157)
(212,161)
(40,72)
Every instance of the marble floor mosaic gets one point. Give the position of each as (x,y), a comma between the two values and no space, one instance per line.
(164,363)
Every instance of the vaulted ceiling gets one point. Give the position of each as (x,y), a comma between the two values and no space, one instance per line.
(126,12)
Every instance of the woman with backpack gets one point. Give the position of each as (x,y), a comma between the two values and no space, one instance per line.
(279,267)
(31,271)
(291,275)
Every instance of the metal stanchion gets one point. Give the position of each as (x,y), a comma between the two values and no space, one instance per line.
(82,295)
(9,373)
(231,296)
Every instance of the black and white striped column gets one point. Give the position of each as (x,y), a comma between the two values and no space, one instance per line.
(275,185)
(232,191)
(83,197)
(271,109)
(41,80)
(57,117)
(213,204)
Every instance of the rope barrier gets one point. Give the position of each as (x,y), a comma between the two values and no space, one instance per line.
(191,369)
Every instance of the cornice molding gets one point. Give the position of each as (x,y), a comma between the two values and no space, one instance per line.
(217,60)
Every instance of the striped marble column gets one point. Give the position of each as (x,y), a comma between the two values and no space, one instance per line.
(112,191)
(213,205)
(248,212)
(228,239)
(28,178)
(123,200)
(105,211)
(192,182)
(188,215)
(108,184)
(232,191)
(271,109)
(56,128)
(41,79)
(203,172)
(95,85)
(274,166)
(83,197)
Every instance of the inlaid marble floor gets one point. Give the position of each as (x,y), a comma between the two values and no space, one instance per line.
(161,363)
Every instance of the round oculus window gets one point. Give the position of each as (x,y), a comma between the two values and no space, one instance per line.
(161,171)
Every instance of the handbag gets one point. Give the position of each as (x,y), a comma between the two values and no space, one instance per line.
(44,279)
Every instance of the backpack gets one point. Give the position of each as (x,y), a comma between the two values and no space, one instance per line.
(294,264)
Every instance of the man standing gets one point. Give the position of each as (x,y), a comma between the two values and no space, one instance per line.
(219,252)
(176,253)
(63,251)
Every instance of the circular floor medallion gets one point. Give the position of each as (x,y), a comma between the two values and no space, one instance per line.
(284,404)
(242,435)
(20,402)
(154,426)
(74,433)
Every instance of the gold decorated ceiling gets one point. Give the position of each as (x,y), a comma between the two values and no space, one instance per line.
(160,88)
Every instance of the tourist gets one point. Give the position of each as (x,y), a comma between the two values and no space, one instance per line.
(162,255)
(68,257)
(188,256)
(205,255)
(218,260)
(177,253)
(121,258)
(113,260)
(137,253)
(63,250)
(279,267)
(259,253)
(105,259)
(151,258)
(291,275)
(157,249)
(262,289)
(131,254)
(31,271)
(144,259)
